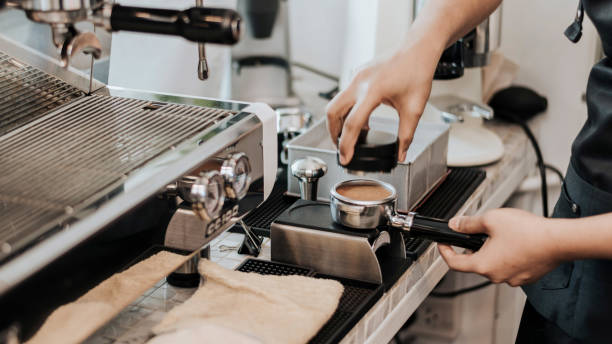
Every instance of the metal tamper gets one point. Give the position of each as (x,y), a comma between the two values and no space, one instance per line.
(308,171)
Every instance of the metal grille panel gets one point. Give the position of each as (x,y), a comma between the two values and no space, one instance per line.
(69,158)
(27,93)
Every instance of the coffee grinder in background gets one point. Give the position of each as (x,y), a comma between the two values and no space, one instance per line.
(470,144)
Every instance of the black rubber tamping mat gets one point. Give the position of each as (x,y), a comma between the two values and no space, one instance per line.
(444,202)
(265,267)
(355,301)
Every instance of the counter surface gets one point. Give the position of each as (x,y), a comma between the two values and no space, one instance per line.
(387,316)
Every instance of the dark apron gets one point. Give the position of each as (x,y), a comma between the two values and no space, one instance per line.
(577,295)
(575,299)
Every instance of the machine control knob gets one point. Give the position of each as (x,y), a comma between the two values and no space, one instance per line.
(236,170)
(308,171)
(207,195)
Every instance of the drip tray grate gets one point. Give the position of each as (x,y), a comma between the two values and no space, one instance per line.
(70,158)
(271,268)
(444,202)
(29,93)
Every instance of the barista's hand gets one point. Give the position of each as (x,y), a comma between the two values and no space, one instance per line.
(402,81)
(520,248)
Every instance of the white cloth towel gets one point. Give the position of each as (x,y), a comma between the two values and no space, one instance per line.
(76,321)
(273,309)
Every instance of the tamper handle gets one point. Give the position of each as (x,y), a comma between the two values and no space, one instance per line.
(308,171)
(198,24)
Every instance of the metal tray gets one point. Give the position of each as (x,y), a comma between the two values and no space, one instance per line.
(423,168)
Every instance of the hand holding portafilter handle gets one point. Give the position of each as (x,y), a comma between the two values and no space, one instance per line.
(198,24)
(437,230)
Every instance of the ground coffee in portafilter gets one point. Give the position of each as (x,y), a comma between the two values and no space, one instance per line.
(363,192)
(375,151)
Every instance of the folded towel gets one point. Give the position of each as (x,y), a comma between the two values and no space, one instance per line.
(201,332)
(74,322)
(274,309)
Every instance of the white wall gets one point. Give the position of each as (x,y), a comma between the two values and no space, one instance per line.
(317,29)
(532,36)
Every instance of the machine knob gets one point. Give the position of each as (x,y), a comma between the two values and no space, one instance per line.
(207,195)
(236,170)
(308,171)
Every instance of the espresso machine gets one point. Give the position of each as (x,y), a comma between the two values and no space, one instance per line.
(93,175)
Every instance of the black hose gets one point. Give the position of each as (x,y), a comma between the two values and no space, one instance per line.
(556,171)
(536,147)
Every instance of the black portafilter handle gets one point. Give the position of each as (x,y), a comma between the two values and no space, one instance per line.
(197,24)
(437,230)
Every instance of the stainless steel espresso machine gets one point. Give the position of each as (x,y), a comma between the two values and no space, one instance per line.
(91,175)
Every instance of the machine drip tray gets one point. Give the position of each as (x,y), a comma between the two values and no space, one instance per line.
(356,299)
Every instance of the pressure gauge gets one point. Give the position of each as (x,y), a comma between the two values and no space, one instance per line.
(236,170)
(208,195)
(183,187)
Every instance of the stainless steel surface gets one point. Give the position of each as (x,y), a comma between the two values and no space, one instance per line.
(236,170)
(25,44)
(208,195)
(330,253)
(202,63)
(382,240)
(85,42)
(456,109)
(28,93)
(58,5)
(291,122)
(361,214)
(62,16)
(182,188)
(424,167)
(251,236)
(187,231)
(484,40)
(61,162)
(75,170)
(308,171)
(190,266)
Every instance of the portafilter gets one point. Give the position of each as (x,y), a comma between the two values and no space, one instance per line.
(367,204)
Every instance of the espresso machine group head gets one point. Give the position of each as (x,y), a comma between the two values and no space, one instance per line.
(197,24)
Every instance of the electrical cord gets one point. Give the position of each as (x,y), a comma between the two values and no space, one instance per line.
(556,171)
(461,291)
(541,166)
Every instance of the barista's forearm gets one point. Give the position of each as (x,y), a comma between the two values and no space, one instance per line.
(585,238)
(442,22)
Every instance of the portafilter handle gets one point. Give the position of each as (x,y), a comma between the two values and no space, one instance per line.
(436,230)
(197,24)
(308,171)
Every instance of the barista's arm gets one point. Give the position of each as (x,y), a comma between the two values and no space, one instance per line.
(404,80)
(522,247)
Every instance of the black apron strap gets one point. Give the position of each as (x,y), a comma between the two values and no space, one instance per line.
(574,31)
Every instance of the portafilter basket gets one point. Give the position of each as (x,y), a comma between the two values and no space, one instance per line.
(367,213)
